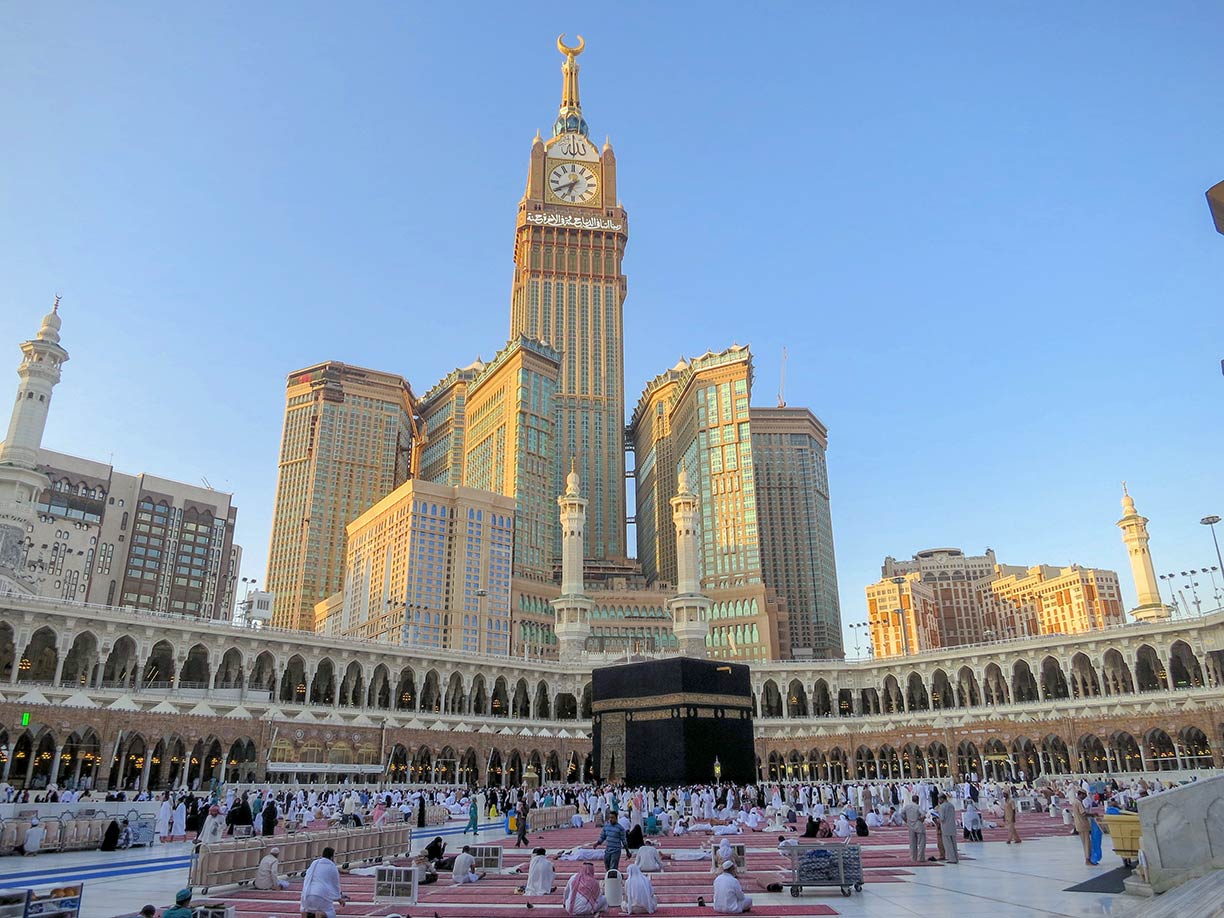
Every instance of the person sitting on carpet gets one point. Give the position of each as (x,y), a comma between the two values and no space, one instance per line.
(464,870)
(634,839)
(539,874)
(639,897)
(729,898)
(649,859)
(582,895)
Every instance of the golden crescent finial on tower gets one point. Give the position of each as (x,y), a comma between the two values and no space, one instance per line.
(568,51)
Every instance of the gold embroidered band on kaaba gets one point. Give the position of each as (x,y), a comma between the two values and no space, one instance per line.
(677,699)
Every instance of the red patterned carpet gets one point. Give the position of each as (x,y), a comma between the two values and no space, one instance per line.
(885,859)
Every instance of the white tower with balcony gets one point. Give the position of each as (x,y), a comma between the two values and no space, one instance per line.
(1151,607)
(689,607)
(20,480)
(572,607)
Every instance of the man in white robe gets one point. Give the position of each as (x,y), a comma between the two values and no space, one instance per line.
(321,886)
(165,814)
(648,859)
(539,874)
(34,837)
(729,898)
(178,827)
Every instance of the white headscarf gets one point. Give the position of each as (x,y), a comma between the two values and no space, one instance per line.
(724,850)
(639,897)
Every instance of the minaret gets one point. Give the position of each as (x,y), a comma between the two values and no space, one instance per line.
(20,480)
(689,607)
(1135,535)
(573,608)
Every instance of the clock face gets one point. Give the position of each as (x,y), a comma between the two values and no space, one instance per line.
(573,183)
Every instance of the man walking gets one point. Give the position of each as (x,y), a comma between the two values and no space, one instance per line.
(1009,818)
(1079,814)
(612,836)
(321,887)
(947,828)
(911,815)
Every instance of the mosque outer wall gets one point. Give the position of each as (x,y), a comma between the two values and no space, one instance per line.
(1142,697)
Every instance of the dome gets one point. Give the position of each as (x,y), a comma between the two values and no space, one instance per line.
(51,324)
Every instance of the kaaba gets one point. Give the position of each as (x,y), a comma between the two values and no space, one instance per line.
(665,722)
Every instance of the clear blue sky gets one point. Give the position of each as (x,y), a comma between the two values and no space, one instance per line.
(980,231)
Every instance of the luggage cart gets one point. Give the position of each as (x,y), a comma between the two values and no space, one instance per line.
(838,865)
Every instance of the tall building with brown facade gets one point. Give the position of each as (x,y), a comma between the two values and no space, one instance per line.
(347,443)
(569,293)
(795,526)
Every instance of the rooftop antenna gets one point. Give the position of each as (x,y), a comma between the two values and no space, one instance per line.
(206,483)
(782,386)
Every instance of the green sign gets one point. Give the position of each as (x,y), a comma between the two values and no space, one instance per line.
(25,718)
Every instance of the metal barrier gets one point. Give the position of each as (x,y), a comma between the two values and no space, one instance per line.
(64,833)
(234,861)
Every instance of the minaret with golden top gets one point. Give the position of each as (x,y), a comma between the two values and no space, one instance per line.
(1135,535)
(569,292)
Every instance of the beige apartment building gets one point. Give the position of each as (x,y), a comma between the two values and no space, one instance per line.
(1025,602)
(428,566)
(949,599)
(348,441)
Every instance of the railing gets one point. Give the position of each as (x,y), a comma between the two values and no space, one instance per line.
(269,631)
(989,709)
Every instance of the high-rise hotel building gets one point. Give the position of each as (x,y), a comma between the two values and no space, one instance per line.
(347,443)
(569,292)
(795,524)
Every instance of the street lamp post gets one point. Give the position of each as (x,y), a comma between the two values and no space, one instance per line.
(1172,590)
(856,628)
(899,581)
(1193,585)
(1211,521)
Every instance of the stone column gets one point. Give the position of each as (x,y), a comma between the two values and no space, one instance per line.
(59,667)
(30,767)
(55,765)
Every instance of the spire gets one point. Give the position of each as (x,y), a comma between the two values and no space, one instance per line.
(51,324)
(569,117)
(571,480)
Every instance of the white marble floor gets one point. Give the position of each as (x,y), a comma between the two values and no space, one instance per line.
(1001,882)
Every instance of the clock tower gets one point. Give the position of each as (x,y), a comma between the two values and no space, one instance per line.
(568,292)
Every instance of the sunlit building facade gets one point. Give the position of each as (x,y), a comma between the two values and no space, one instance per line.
(428,566)
(346,444)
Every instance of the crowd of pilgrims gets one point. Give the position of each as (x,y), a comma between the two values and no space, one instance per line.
(627,820)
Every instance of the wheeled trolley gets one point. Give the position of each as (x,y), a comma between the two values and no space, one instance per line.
(839,864)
